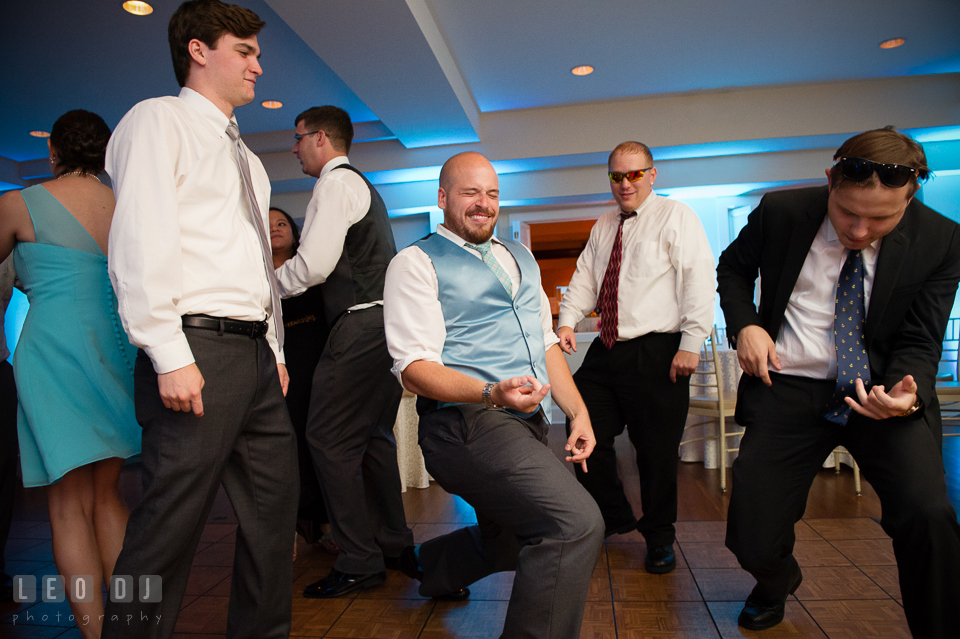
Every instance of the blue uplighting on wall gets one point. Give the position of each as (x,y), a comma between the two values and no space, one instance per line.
(934,134)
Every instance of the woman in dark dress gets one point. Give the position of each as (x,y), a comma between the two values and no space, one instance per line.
(306,330)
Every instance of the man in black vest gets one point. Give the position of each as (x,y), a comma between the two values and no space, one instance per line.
(346,245)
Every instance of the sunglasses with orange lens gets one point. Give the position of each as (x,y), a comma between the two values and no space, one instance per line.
(633,176)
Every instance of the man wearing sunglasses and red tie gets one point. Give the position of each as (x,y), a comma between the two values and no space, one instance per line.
(649,272)
(857,282)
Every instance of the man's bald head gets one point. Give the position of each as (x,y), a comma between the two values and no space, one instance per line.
(469,195)
(451,166)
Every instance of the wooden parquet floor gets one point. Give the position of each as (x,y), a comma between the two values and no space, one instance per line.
(850,586)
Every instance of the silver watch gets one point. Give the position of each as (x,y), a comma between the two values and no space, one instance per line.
(488,396)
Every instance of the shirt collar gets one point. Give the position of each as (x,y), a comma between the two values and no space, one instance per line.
(335,162)
(207,109)
(833,238)
(643,205)
(456,239)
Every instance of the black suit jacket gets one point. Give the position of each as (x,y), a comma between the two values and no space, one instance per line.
(913,289)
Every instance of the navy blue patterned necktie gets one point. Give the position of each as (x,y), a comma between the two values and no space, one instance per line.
(848,321)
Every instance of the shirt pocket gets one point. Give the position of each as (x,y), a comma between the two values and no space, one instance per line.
(646,259)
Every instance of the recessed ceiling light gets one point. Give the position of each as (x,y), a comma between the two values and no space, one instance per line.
(137,8)
(586,69)
(892,43)
(40,134)
(271,104)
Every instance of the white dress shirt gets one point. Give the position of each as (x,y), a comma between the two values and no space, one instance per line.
(340,200)
(182,241)
(412,315)
(667,276)
(805,345)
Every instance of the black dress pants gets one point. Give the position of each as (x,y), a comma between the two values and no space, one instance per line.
(783,449)
(8,451)
(244,440)
(630,385)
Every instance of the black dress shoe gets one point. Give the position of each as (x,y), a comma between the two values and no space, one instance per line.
(757,616)
(461,595)
(620,529)
(409,564)
(6,587)
(337,584)
(660,559)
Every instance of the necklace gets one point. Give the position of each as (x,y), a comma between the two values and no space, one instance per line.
(79,172)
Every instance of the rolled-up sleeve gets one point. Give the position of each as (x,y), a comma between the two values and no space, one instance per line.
(412,316)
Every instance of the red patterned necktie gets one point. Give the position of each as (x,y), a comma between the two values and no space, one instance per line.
(607,300)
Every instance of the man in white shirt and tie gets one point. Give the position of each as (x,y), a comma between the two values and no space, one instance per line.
(196,291)
(648,270)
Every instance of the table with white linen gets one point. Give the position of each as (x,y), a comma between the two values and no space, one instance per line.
(699,426)
(413,471)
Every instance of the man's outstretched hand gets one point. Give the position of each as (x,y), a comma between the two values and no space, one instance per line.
(878,404)
(520,393)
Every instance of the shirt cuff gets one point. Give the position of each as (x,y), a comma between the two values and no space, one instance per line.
(171,356)
(569,318)
(690,343)
(400,365)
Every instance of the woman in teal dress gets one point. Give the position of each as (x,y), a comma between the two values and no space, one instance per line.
(73,363)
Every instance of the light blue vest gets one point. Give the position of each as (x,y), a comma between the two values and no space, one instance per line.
(489,336)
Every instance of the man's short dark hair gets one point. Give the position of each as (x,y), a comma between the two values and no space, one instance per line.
(333,121)
(631,148)
(886,146)
(207,21)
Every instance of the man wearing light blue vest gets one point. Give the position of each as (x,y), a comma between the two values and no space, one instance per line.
(469,328)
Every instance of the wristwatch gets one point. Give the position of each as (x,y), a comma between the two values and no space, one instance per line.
(488,396)
(912,409)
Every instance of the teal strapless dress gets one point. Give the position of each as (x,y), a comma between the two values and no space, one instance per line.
(73,364)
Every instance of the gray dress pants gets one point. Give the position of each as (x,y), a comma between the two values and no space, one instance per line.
(533,517)
(353,407)
(244,441)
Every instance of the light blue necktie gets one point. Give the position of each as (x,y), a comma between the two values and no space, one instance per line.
(486,252)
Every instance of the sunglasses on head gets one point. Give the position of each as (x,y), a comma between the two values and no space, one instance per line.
(633,176)
(892,175)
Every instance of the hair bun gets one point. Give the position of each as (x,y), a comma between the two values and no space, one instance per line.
(80,139)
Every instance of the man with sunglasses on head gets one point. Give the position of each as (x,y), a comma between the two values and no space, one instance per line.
(345,247)
(857,282)
(648,270)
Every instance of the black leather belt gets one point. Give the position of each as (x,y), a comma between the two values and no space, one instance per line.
(225,325)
